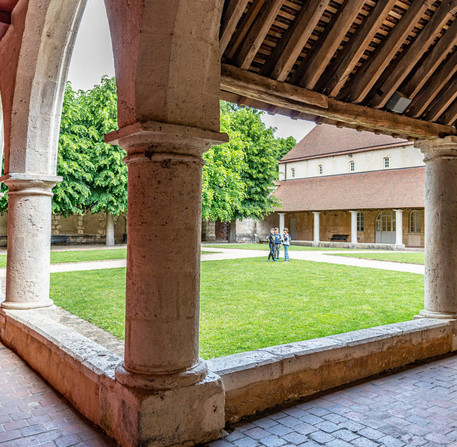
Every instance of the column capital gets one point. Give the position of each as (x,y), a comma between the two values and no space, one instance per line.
(353,212)
(30,184)
(157,140)
(439,148)
(316,212)
(282,214)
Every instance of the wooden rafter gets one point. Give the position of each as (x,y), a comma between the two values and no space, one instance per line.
(257,33)
(366,77)
(287,51)
(425,70)
(312,67)
(450,116)
(339,71)
(411,56)
(280,94)
(433,88)
(443,101)
(230,18)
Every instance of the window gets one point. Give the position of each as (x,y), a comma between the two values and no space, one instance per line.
(415,222)
(321,169)
(352,165)
(292,172)
(386,162)
(360,222)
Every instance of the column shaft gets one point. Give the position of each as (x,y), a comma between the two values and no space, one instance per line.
(281,222)
(316,229)
(353,227)
(399,229)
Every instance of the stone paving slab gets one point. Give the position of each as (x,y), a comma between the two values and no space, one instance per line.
(33,414)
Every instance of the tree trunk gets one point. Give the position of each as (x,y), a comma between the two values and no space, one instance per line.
(109,229)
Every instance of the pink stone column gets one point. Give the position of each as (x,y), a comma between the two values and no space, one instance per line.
(440,227)
(163,254)
(29,240)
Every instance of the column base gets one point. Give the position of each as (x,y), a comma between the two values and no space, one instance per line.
(315,244)
(439,315)
(18,305)
(352,245)
(399,246)
(179,417)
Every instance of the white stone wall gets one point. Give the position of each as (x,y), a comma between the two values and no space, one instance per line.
(400,157)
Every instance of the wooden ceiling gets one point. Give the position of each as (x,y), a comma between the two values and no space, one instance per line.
(340,61)
(6,8)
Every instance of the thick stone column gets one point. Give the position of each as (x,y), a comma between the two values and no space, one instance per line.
(399,245)
(440,227)
(316,229)
(353,228)
(29,240)
(281,222)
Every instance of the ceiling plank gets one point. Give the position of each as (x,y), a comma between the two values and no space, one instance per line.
(433,88)
(257,33)
(441,103)
(340,70)
(450,116)
(369,73)
(230,19)
(411,56)
(244,27)
(280,94)
(288,49)
(438,54)
(312,67)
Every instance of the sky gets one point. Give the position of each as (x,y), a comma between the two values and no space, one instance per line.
(93,58)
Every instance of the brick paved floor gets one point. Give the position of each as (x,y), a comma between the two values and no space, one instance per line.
(33,414)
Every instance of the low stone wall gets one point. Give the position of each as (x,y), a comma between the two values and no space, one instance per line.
(349,245)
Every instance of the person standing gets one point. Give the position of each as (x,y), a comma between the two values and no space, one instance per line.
(286,243)
(271,243)
(277,244)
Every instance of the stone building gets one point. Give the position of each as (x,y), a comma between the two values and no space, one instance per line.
(385,67)
(352,186)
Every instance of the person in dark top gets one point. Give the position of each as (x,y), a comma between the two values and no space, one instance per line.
(277,244)
(271,243)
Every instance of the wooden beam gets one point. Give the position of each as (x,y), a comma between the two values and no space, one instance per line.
(280,94)
(230,19)
(312,67)
(450,116)
(442,101)
(436,84)
(257,33)
(411,56)
(288,49)
(244,28)
(369,73)
(423,72)
(351,53)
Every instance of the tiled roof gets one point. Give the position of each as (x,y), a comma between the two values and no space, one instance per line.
(329,140)
(394,188)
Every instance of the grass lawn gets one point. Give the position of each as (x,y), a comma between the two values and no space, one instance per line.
(408,258)
(63,256)
(266,248)
(250,303)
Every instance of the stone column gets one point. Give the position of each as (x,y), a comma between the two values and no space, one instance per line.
(29,240)
(281,222)
(353,228)
(316,229)
(399,230)
(440,227)
(109,229)
(163,262)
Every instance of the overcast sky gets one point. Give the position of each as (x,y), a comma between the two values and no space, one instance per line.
(93,58)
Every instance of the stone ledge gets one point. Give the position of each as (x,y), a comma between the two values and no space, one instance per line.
(257,380)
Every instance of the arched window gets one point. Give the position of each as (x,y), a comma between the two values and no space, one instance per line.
(360,221)
(352,165)
(415,222)
(386,162)
(321,169)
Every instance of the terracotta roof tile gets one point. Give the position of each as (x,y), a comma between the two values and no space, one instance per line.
(326,139)
(394,188)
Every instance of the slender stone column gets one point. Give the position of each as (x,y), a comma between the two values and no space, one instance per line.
(29,240)
(316,229)
(281,222)
(399,230)
(353,228)
(163,253)
(440,227)
(109,229)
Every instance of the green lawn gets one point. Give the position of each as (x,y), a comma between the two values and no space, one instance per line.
(264,246)
(250,303)
(409,258)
